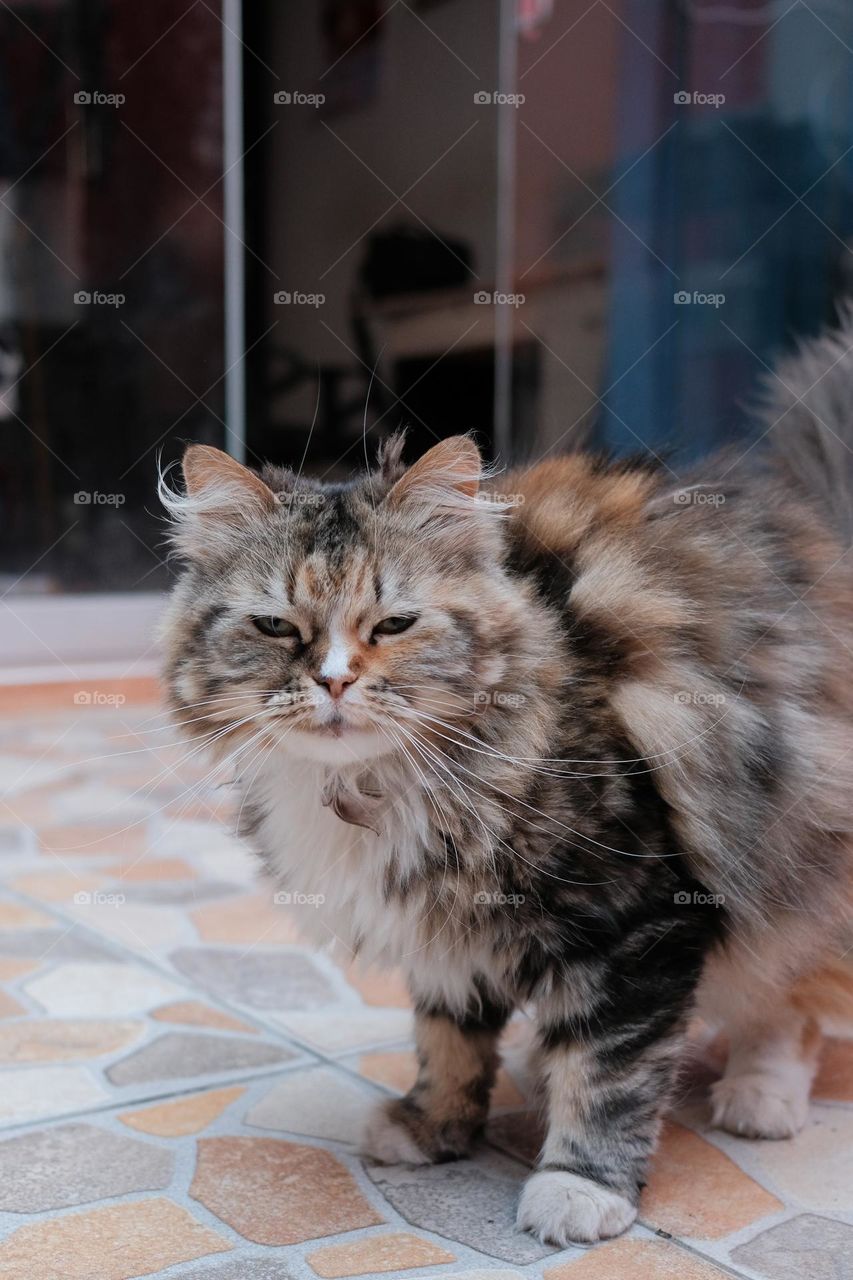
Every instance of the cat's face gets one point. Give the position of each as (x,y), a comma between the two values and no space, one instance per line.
(337,621)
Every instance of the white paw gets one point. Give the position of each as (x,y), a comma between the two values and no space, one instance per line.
(759,1105)
(389,1142)
(563,1208)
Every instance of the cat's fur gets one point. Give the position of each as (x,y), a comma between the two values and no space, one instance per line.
(608,770)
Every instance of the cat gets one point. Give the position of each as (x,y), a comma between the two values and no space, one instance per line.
(577,737)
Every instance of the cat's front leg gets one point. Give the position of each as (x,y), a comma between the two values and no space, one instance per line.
(609,1058)
(448,1104)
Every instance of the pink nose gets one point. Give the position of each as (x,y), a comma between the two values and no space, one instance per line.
(336,684)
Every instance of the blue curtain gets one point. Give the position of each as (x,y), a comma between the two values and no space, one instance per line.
(711,212)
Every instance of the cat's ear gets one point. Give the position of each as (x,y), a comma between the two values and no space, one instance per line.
(217,480)
(446,478)
(221,497)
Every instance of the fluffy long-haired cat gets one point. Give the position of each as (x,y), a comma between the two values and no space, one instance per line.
(580,739)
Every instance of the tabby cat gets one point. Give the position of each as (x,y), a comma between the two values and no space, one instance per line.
(578,738)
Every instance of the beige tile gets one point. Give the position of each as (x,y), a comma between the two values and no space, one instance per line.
(636,1260)
(249,920)
(147,868)
(15,916)
(192,1013)
(57,886)
(91,839)
(65,1040)
(371,1255)
(378,987)
(59,696)
(183,1116)
(9,1007)
(241,1181)
(813,1168)
(11,968)
(111,1243)
(696,1190)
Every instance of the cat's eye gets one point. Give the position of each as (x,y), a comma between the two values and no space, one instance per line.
(278,628)
(394,625)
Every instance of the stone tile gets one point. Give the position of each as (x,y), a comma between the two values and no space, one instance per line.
(75,1164)
(51,944)
(192,1013)
(243,1180)
(480,1273)
(398,1069)
(37,1093)
(834,1080)
(91,839)
(179,893)
(805,1248)
(244,1269)
(348,1030)
(9,1007)
(520,1134)
(56,886)
(317,1103)
(814,1168)
(32,806)
(260,979)
(11,969)
(183,1116)
(65,1040)
(637,1260)
(19,775)
(13,915)
(177,1055)
(696,1190)
(84,987)
(250,919)
(372,1255)
(111,1243)
(377,987)
(395,1068)
(143,869)
(138,927)
(472,1201)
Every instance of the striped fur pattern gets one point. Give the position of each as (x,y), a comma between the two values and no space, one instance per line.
(579,739)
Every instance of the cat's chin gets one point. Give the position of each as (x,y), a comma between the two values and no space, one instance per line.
(347,746)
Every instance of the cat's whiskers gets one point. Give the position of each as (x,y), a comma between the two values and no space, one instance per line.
(444,825)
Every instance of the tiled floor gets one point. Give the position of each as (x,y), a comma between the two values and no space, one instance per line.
(182,1084)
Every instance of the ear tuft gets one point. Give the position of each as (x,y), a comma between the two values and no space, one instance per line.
(389,457)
